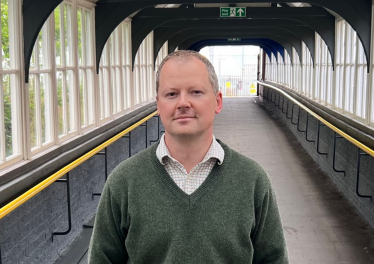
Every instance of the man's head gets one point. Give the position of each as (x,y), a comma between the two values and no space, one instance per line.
(182,55)
(187,95)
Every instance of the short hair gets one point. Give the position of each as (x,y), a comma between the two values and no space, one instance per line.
(183,55)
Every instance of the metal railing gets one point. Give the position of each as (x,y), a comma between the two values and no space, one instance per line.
(8,208)
(321,122)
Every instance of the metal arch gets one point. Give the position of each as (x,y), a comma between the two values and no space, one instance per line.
(160,38)
(309,38)
(35,13)
(186,44)
(108,15)
(152,19)
(358,14)
(178,39)
(296,28)
(355,12)
(165,32)
(268,48)
(325,27)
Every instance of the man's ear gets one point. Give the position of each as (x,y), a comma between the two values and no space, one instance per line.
(219,102)
(158,109)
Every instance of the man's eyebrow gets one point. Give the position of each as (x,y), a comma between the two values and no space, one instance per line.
(170,88)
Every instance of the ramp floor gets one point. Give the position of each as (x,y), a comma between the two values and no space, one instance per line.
(319,223)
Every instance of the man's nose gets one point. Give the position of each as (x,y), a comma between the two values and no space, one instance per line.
(184,101)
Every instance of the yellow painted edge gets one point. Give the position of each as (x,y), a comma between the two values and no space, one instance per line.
(337,130)
(44,184)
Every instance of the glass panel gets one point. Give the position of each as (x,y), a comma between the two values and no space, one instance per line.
(82,96)
(57,36)
(127,45)
(359,98)
(40,51)
(116,47)
(60,102)
(101,81)
(42,106)
(70,100)
(118,89)
(32,110)
(329,85)
(7,114)
(81,43)
(88,38)
(123,42)
(90,97)
(106,91)
(32,60)
(125,95)
(68,35)
(338,88)
(110,47)
(113,85)
(5,34)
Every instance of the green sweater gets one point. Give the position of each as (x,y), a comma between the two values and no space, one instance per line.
(144,217)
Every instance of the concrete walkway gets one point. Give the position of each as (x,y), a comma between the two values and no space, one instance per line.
(319,223)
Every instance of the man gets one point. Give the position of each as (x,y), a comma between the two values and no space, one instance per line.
(190,198)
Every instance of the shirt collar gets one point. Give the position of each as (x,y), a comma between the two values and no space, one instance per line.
(215,151)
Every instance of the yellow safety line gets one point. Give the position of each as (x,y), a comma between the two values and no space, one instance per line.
(41,186)
(337,130)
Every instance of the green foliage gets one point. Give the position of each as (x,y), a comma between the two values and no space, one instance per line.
(5,32)
(6,79)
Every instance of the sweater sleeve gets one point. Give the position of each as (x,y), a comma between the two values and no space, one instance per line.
(108,239)
(268,239)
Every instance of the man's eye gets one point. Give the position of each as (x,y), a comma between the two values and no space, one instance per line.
(171,94)
(196,92)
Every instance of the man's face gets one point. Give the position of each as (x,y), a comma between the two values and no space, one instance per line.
(186,102)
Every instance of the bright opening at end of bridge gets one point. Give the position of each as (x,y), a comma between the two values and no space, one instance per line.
(237,67)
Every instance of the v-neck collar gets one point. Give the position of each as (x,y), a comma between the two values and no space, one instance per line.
(190,199)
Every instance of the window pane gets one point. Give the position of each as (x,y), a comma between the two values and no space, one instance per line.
(58,36)
(68,35)
(40,50)
(32,60)
(70,105)
(60,102)
(7,114)
(5,34)
(90,97)
(83,97)
(88,38)
(81,43)
(45,108)
(114,89)
(32,110)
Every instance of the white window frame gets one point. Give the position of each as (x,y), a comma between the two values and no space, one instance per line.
(88,66)
(17,91)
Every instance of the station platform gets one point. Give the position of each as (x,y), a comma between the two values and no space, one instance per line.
(320,224)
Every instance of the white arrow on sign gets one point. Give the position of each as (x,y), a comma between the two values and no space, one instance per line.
(240,11)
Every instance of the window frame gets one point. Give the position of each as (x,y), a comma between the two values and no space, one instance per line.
(17,90)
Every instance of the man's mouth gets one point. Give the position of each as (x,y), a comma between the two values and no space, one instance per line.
(183,117)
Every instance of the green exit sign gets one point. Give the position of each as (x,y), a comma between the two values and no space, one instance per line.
(234,39)
(233,12)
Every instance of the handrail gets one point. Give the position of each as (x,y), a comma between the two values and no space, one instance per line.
(51,179)
(337,130)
